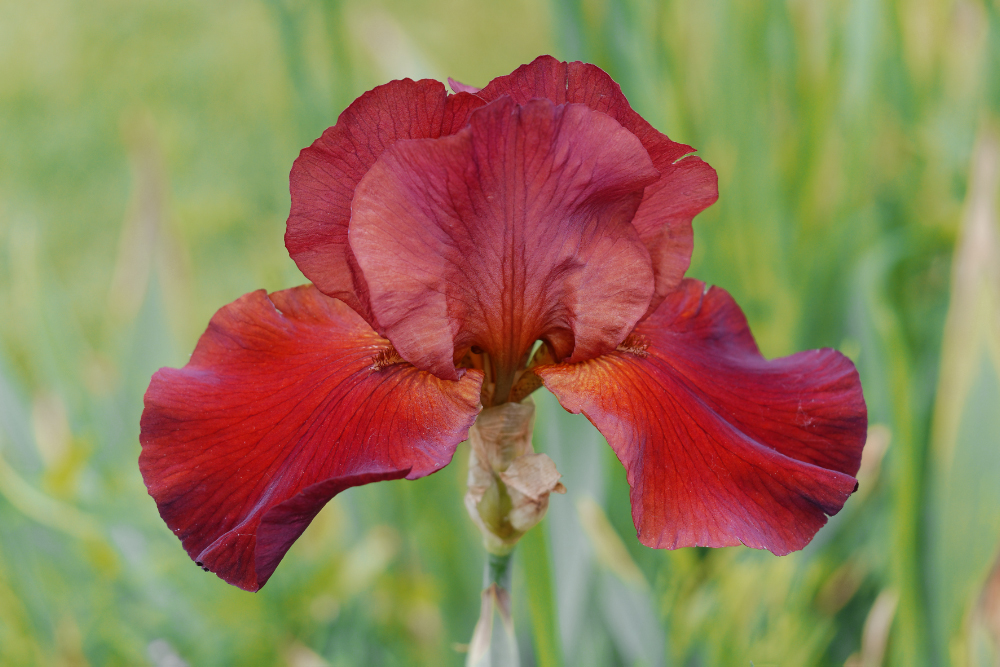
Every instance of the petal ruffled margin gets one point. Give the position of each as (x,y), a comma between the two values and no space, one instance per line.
(686,186)
(325,174)
(721,446)
(516,228)
(288,400)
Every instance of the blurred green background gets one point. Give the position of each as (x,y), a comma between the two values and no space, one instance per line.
(144,155)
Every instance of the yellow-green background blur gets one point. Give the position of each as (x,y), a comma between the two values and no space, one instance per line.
(144,155)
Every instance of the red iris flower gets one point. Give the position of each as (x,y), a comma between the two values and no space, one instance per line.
(444,235)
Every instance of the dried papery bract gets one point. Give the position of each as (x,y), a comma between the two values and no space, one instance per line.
(508,493)
(493,641)
(509,484)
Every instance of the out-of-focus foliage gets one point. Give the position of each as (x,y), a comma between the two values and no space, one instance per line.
(144,153)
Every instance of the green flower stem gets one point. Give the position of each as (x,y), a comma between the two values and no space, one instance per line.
(498,570)
(494,643)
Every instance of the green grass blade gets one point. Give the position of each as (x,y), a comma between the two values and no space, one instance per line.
(541,597)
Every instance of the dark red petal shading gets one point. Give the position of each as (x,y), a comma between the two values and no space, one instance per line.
(687,185)
(514,229)
(281,408)
(325,174)
(721,446)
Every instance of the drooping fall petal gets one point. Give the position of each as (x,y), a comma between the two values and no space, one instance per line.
(721,446)
(325,174)
(288,400)
(516,228)
(686,186)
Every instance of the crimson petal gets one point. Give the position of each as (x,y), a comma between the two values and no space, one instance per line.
(288,400)
(516,228)
(721,446)
(325,174)
(686,186)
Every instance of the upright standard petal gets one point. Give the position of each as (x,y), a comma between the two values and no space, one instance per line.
(325,174)
(721,446)
(514,229)
(288,400)
(686,186)
(460,87)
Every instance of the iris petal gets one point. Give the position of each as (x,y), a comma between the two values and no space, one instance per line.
(721,446)
(514,229)
(686,186)
(325,174)
(288,399)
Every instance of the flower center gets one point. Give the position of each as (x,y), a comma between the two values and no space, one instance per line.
(507,385)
